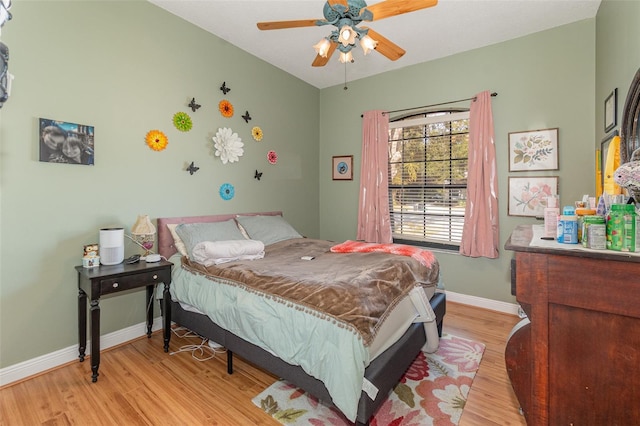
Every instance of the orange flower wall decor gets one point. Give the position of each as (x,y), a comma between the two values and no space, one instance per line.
(156,140)
(226,109)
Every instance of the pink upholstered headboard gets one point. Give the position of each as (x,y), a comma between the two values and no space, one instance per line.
(165,240)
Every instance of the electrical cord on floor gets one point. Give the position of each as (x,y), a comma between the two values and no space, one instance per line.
(202,351)
(153,297)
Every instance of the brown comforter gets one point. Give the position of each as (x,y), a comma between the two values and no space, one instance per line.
(354,289)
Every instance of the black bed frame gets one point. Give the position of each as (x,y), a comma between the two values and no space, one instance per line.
(384,371)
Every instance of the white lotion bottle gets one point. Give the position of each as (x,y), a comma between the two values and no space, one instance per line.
(551,213)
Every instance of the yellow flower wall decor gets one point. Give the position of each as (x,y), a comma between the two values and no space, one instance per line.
(257,134)
(156,140)
(226,109)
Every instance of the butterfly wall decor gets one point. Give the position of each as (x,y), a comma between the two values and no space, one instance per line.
(193,105)
(246,117)
(192,168)
(224,88)
(258,175)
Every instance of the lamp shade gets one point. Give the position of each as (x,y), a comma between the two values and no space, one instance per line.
(144,232)
(367,44)
(322,47)
(347,35)
(346,57)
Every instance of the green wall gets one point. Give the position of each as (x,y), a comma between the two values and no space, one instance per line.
(617,54)
(126,68)
(543,80)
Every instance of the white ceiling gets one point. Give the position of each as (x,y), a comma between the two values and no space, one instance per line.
(450,27)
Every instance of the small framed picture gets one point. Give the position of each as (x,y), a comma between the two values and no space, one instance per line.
(611,110)
(342,167)
(531,150)
(528,195)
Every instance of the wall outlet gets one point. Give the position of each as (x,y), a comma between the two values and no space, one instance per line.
(521,312)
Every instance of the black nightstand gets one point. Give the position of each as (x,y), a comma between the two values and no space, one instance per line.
(103,280)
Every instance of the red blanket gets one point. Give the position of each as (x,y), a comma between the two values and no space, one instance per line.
(425,257)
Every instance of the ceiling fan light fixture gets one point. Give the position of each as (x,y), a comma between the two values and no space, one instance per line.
(322,47)
(368,44)
(344,18)
(346,57)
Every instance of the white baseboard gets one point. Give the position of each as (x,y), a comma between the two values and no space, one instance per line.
(51,360)
(481,302)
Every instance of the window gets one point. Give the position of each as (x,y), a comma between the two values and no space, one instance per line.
(428,168)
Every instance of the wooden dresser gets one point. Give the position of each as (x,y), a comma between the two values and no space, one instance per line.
(576,359)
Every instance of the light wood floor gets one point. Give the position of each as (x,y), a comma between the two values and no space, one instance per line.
(139,384)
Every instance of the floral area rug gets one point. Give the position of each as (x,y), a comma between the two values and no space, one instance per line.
(433,391)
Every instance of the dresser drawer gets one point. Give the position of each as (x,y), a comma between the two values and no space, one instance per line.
(130,281)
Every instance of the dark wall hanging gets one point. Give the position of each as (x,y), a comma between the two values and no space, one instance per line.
(629,134)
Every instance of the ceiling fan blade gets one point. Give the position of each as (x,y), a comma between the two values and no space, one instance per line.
(388,8)
(385,46)
(321,61)
(334,2)
(279,25)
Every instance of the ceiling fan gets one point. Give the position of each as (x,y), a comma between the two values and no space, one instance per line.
(346,15)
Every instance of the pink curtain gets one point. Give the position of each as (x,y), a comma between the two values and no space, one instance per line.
(480,234)
(373,211)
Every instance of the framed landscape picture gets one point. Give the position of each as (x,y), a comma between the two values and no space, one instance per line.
(528,195)
(532,150)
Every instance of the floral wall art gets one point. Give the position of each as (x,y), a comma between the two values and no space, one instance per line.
(528,195)
(227,144)
(533,150)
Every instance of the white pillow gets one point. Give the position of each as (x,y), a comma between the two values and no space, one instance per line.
(194,233)
(177,241)
(210,253)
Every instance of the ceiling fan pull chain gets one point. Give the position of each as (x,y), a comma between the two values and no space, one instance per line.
(345,77)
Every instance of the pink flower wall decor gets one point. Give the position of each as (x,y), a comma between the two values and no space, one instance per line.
(528,195)
(272,157)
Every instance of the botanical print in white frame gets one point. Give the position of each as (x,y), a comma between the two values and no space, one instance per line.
(533,150)
(528,195)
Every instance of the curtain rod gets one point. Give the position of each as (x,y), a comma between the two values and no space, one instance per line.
(493,95)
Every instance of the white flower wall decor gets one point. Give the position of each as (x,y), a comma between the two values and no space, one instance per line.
(228,145)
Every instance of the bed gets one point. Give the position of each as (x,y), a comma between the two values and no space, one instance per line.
(343,357)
